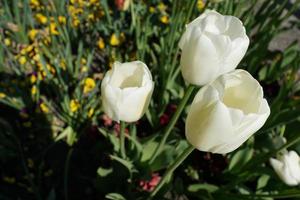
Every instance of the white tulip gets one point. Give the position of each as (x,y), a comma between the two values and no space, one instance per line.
(287,167)
(213,44)
(126,91)
(226,112)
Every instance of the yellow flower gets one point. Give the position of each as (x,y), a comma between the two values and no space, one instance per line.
(114,40)
(162,7)
(9,180)
(91,112)
(29,48)
(7,42)
(151,9)
(41,18)
(164,19)
(51,69)
(75,22)
(200,4)
(101,43)
(63,65)
(22,60)
(34,3)
(84,69)
(33,90)
(30,163)
(91,16)
(62,19)
(32,34)
(27,124)
(53,29)
(2,95)
(32,79)
(83,61)
(74,105)
(36,57)
(44,108)
(89,85)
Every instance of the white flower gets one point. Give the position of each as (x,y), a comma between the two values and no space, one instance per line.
(213,44)
(226,112)
(287,167)
(126,91)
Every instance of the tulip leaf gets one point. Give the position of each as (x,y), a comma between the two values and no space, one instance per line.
(114,196)
(240,158)
(126,163)
(204,186)
(262,181)
(104,172)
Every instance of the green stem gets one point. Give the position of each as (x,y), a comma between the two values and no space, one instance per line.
(171,169)
(173,121)
(122,139)
(67,164)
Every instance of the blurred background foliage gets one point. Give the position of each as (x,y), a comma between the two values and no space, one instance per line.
(55,141)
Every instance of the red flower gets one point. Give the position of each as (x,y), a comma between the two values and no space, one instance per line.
(149,185)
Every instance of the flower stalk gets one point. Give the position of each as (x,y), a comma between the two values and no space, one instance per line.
(171,169)
(122,139)
(173,121)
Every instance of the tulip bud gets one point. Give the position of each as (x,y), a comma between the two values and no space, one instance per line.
(226,112)
(213,44)
(126,91)
(287,167)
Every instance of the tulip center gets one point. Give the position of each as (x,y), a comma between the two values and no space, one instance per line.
(243,97)
(131,77)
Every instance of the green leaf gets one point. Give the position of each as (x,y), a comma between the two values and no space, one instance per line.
(126,163)
(114,196)
(240,158)
(202,186)
(104,172)
(262,182)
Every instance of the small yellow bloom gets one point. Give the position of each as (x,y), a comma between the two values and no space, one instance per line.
(76,22)
(151,9)
(83,61)
(74,105)
(36,57)
(162,7)
(7,42)
(91,112)
(41,18)
(114,40)
(101,43)
(164,19)
(91,16)
(63,65)
(24,115)
(34,3)
(32,34)
(53,29)
(9,180)
(44,108)
(32,79)
(33,90)
(27,124)
(48,173)
(62,19)
(22,60)
(29,48)
(200,4)
(89,85)
(84,69)
(51,69)
(2,95)
(30,163)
